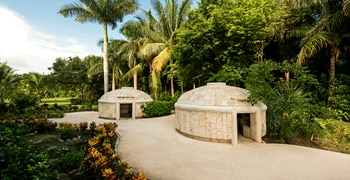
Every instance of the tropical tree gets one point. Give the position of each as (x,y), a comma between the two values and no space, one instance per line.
(95,76)
(6,79)
(162,29)
(105,12)
(129,51)
(71,73)
(327,34)
(36,83)
(119,65)
(135,33)
(221,38)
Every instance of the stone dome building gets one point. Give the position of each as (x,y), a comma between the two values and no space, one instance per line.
(217,112)
(122,103)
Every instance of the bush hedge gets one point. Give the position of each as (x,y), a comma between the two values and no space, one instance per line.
(157,108)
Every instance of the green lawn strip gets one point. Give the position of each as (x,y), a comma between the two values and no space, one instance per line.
(58,101)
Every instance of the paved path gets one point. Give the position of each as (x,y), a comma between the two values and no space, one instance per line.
(154,147)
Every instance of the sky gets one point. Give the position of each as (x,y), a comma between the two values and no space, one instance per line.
(33,34)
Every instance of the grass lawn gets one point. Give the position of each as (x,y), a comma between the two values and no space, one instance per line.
(332,142)
(58,101)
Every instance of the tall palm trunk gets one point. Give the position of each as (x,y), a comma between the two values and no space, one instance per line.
(172,80)
(105,59)
(113,79)
(172,86)
(335,51)
(135,76)
(334,57)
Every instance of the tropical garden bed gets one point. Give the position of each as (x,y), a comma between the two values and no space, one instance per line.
(37,149)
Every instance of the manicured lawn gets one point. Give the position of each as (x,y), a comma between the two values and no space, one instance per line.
(58,101)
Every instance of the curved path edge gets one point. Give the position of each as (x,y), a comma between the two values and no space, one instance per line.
(154,147)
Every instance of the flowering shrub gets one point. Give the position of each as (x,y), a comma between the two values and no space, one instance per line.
(101,159)
(83,126)
(42,125)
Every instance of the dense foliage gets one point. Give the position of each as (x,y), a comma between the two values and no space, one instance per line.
(159,108)
(291,54)
(290,110)
(23,156)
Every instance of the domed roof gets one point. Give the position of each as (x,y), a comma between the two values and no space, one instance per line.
(215,94)
(125,94)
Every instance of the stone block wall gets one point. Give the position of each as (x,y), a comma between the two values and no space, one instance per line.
(138,110)
(107,110)
(209,126)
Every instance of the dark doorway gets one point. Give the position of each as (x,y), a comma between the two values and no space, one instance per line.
(243,119)
(125,110)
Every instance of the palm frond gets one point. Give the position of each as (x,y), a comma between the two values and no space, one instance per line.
(330,22)
(130,74)
(312,44)
(161,60)
(297,33)
(150,50)
(346,7)
(78,11)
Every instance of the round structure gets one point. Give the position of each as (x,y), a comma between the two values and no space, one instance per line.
(217,112)
(122,103)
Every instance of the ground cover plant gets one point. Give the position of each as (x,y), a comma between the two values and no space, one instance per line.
(37,150)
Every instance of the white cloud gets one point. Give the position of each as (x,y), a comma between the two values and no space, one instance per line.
(29,50)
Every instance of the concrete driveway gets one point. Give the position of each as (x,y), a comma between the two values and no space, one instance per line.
(155,148)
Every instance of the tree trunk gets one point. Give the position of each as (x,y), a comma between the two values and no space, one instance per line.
(135,76)
(287,74)
(135,80)
(334,57)
(113,79)
(333,60)
(105,59)
(172,86)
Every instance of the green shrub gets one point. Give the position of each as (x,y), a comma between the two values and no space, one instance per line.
(68,132)
(335,130)
(77,101)
(69,161)
(42,125)
(17,160)
(157,108)
(22,101)
(290,112)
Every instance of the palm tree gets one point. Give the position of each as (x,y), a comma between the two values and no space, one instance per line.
(36,82)
(129,52)
(118,65)
(6,79)
(133,31)
(105,12)
(162,30)
(328,32)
